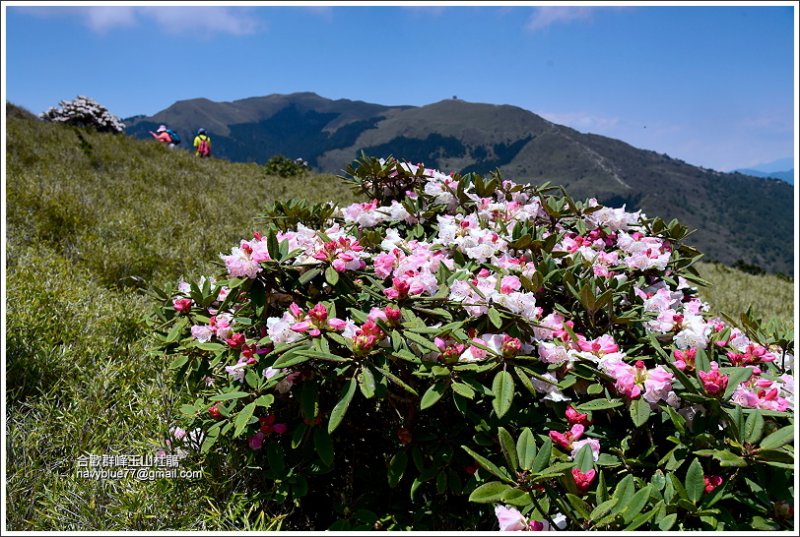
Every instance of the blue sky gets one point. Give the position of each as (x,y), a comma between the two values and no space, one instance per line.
(713,86)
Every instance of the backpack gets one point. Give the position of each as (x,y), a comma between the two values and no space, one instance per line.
(176,139)
(204,148)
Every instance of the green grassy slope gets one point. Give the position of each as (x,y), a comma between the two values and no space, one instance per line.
(92,219)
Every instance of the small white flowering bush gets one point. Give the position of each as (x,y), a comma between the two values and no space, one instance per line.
(467,353)
(84,112)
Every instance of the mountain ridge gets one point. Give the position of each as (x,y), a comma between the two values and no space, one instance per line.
(737,217)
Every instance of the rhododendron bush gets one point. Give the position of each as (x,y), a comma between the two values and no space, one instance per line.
(84,112)
(468,353)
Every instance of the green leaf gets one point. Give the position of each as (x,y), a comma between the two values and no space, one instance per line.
(725,457)
(602,509)
(309,275)
(397,340)
(640,411)
(701,360)
(694,482)
(289,359)
(422,341)
(211,438)
(265,400)
(432,394)
(494,317)
(252,378)
(366,382)
(243,418)
(508,448)
(178,362)
(594,389)
(526,449)
(324,445)
(642,519)
(489,465)
(341,407)
(579,505)
(516,497)
(584,459)
(322,355)
(736,375)
(542,459)
(331,276)
(667,522)
(298,435)
(599,404)
(489,492)
(463,390)
(273,247)
(398,381)
(636,504)
(754,427)
(175,333)
(623,493)
(503,390)
(778,438)
(397,466)
(228,396)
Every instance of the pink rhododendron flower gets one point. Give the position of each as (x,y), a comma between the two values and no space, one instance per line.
(684,360)
(714,382)
(182,305)
(511,346)
(286,384)
(202,333)
(633,381)
(564,440)
(600,346)
(510,519)
(383,264)
(268,426)
(509,284)
(241,262)
(235,340)
(712,482)
(256,441)
(594,445)
(753,354)
(575,417)
(583,481)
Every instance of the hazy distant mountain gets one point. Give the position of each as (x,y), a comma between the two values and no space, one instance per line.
(787,175)
(736,216)
(774,166)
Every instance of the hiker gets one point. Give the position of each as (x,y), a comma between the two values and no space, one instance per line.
(162,135)
(202,144)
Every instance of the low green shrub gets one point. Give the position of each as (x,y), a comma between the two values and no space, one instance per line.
(281,166)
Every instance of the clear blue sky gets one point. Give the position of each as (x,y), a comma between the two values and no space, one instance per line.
(710,85)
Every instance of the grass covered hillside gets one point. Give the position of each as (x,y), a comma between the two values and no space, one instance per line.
(93,220)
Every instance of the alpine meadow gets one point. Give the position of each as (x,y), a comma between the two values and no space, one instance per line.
(116,347)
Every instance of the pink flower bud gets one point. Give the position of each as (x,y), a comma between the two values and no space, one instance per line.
(236,340)
(319,313)
(182,305)
(583,480)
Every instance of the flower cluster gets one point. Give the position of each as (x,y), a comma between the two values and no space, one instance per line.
(441,323)
(84,112)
